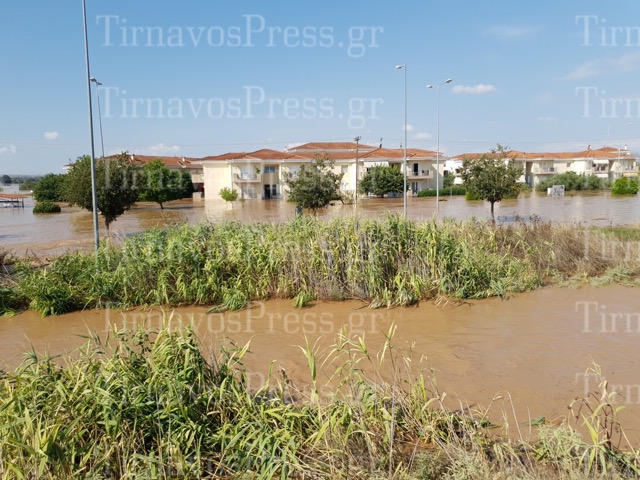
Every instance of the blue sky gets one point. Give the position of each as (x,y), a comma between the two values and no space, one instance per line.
(205,77)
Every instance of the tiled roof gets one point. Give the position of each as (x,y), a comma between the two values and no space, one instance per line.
(169,162)
(263,154)
(604,152)
(337,155)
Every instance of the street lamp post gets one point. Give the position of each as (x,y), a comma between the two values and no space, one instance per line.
(357,140)
(94,194)
(404,161)
(98,84)
(448,80)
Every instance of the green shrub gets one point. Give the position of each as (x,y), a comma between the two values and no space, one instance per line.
(455,190)
(472,196)
(229,194)
(46,207)
(50,188)
(573,181)
(625,186)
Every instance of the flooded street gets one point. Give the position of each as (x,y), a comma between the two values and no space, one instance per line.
(534,348)
(22,231)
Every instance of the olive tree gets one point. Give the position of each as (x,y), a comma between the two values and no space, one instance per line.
(117,185)
(162,185)
(315,185)
(382,180)
(491,177)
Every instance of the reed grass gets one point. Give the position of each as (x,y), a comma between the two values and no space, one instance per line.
(150,405)
(389,262)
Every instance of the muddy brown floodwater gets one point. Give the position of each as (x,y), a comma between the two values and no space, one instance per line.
(23,232)
(533,348)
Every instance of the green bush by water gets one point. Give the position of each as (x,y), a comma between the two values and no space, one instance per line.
(150,405)
(46,207)
(625,186)
(573,181)
(455,190)
(391,261)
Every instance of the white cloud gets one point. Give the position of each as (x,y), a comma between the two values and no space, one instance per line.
(589,69)
(474,90)
(10,150)
(159,149)
(50,135)
(409,127)
(422,136)
(510,31)
(624,63)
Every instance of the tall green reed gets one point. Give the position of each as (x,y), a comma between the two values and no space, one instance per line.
(387,262)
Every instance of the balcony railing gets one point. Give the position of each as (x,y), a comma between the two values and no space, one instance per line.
(421,175)
(247,178)
(545,170)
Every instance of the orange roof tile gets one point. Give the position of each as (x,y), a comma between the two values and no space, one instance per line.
(604,152)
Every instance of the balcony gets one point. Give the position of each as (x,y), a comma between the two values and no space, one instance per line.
(422,175)
(545,170)
(247,178)
(626,169)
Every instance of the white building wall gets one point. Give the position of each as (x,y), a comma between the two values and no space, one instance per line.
(217,175)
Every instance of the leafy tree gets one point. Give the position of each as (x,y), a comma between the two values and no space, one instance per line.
(50,188)
(448,181)
(315,184)
(116,185)
(625,186)
(6,180)
(163,185)
(229,194)
(381,181)
(491,177)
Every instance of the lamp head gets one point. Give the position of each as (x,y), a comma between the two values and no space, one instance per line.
(429,86)
(399,67)
(448,80)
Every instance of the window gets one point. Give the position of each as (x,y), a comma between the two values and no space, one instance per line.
(344,169)
(270,169)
